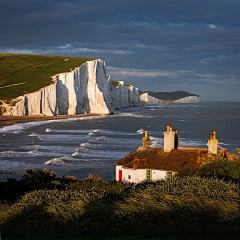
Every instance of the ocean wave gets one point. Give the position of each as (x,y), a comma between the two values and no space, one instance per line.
(113,142)
(181,120)
(192,143)
(59,161)
(84,144)
(100,154)
(224,144)
(88,132)
(75,154)
(33,135)
(78,131)
(35,152)
(19,127)
(135,115)
(61,138)
(156,142)
(140,131)
(31,147)
(8,153)
(100,138)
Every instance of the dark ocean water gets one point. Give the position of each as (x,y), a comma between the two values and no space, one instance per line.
(93,144)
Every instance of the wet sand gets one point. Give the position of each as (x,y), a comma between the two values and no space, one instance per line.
(8,120)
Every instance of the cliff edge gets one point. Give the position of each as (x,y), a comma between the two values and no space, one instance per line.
(86,89)
(169,97)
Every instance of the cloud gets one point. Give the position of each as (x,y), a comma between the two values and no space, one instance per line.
(64,49)
(121,72)
(212,26)
(219,79)
(174,43)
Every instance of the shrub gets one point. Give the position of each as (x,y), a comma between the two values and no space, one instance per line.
(222,168)
(184,172)
(159,206)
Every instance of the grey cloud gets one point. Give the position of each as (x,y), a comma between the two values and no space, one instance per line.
(188,39)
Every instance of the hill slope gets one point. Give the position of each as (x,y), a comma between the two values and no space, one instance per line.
(21,74)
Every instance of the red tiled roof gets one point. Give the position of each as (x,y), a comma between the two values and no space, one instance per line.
(156,158)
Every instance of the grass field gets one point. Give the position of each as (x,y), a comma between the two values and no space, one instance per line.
(20,74)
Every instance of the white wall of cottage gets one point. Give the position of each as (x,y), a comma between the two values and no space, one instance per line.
(139,175)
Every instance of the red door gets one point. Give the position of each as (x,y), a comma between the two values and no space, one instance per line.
(120,175)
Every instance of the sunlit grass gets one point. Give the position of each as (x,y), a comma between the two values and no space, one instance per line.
(34,71)
(94,207)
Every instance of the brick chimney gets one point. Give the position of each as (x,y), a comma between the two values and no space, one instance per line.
(146,141)
(213,143)
(169,139)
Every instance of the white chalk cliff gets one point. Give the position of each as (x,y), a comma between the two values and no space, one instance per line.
(86,89)
(147,99)
(189,99)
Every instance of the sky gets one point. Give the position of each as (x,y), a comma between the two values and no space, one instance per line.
(155,45)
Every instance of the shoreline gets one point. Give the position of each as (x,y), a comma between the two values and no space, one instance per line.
(9,120)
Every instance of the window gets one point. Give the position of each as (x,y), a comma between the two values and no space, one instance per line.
(129,176)
(149,175)
(169,175)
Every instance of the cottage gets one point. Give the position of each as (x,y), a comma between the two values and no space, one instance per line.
(152,164)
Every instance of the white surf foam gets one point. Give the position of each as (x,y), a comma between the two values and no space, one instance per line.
(19,127)
(35,152)
(135,115)
(33,135)
(48,130)
(156,142)
(140,131)
(84,144)
(59,161)
(224,144)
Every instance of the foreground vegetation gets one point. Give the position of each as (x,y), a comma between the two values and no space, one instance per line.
(67,207)
(32,72)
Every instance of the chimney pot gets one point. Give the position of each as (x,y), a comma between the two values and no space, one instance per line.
(214,134)
(213,143)
(169,139)
(146,141)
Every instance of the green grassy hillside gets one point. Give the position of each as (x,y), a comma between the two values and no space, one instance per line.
(31,72)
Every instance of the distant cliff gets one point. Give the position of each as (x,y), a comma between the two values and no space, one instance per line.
(166,97)
(86,89)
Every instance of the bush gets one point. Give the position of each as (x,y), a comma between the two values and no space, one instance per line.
(184,172)
(222,168)
(113,208)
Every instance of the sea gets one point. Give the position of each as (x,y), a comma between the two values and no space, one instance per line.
(79,146)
